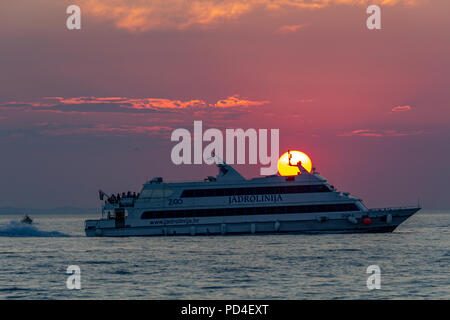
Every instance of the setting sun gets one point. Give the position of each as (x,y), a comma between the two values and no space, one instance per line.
(284,169)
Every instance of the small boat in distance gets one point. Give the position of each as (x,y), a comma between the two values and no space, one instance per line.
(230,204)
(27,220)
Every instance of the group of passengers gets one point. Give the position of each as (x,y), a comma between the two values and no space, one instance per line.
(116,198)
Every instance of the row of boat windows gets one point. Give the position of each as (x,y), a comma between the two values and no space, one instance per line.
(248,211)
(194,193)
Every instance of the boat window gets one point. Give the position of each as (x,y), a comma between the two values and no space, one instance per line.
(145,194)
(248,211)
(227,192)
(168,192)
(156,194)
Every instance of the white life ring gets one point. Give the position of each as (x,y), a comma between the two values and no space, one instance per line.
(389,218)
(277,226)
(352,219)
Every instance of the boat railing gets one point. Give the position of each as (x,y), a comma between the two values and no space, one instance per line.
(393,208)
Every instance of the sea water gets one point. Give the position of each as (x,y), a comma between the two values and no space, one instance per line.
(414,263)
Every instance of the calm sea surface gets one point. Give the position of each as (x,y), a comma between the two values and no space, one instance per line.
(414,262)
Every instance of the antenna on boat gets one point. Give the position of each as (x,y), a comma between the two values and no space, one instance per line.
(298,164)
(101,196)
(219,159)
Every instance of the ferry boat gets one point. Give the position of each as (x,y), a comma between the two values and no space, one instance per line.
(229,204)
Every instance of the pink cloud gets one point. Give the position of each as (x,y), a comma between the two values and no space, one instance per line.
(32,104)
(366,133)
(401,109)
(291,28)
(161,104)
(133,103)
(235,101)
(144,15)
(383,133)
(102,129)
(127,129)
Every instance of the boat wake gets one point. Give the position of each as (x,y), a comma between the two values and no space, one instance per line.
(18,229)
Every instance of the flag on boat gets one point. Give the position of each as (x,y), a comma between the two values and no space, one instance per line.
(101,195)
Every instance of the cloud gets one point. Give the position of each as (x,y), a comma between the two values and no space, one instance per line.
(305,100)
(108,130)
(366,133)
(144,15)
(401,109)
(291,28)
(383,133)
(122,104)
(235,101)
(117,116)
(162,104)
(133,103)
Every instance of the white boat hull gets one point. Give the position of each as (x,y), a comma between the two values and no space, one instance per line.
(381,220)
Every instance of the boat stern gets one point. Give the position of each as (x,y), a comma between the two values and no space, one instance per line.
(91,228)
